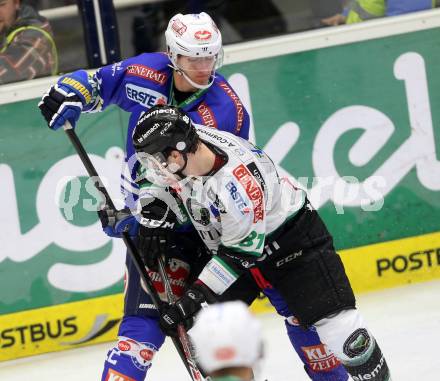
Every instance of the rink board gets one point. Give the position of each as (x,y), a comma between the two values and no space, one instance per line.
(93,321)
(364,103)
(60,327)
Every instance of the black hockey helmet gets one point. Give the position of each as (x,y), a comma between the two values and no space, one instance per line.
(162,129)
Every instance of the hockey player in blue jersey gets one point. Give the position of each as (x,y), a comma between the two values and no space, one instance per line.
(185,76)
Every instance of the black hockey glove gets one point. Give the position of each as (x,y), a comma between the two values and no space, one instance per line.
(116,222)
(156,232)
(184,310)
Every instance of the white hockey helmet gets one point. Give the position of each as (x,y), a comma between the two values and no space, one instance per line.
(193,35)
(227,335)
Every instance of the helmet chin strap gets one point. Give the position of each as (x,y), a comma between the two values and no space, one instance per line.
(196,85)
(190,81)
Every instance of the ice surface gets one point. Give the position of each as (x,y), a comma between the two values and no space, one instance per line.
(405,321)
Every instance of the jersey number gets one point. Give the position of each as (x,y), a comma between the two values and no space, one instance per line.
(249,240)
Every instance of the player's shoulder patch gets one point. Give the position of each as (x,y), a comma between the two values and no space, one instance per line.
(150,66)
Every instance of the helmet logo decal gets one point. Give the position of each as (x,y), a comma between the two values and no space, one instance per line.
(225,353)
(149,132)
(166,128)
(179,27)
(180,146)
(203,35)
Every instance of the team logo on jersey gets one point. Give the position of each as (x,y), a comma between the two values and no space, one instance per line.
(320,358)
(208,118)
(144,96)
(252,188)
(202,35)
(147,73)
(198,212)
(179,27)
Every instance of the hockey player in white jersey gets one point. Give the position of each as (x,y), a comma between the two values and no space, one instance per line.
(256,226)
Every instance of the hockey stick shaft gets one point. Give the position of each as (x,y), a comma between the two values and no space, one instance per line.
(181,331)
(131,248)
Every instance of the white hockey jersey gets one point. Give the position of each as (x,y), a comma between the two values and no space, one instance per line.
(236,207)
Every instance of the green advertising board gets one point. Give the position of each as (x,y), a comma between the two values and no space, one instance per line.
(356,124)
(362,110)
(47,255)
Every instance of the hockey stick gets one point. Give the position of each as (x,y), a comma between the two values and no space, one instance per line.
(181,331)
(186,357)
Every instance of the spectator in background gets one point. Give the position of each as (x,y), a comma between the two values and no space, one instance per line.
(228,341)
(27,47)
(321,9)
(362,10)
(251,19)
